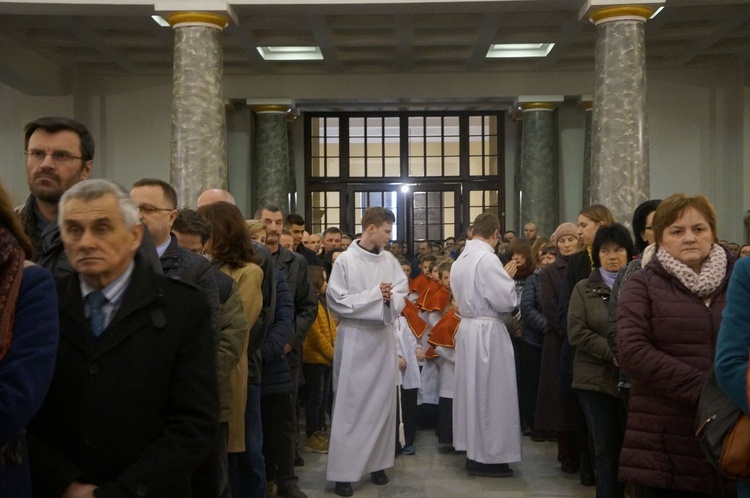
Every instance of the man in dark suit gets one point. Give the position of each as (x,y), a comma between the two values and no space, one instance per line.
(133,406)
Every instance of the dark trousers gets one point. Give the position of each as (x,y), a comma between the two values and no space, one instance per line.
(278,416)
(317,382)
(409,412)
(212,477)
(529,364)
(606,419)
(445,420)
(645,492)
(247,470)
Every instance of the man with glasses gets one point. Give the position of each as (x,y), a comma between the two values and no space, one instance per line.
(59,153)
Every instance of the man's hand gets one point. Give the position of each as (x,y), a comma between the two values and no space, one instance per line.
(402,363)
(78,490)
(287,347)
(385,290)
(511,268)
(420,354)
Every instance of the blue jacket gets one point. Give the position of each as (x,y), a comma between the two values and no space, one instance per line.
(276,376)
(733,343)
(534,321)
(26,371)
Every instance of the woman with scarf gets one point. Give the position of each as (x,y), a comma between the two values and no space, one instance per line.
(29,333)
(595,372)
(521,266)
(669,314)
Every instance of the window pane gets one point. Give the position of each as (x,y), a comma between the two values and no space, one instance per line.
(332,127)
(356,147)
(316,127)
(332,199)
(374,167)
(475,166)
(450,125)
(374,147)
(357,166)
(475,125)
(392,127)
(333,167)
(416,166)
(451,146)
(434,232)
(434,147)
(434,126)
(475,147)
(374,127)
(449,230)
(416,147)
(452,166)
(492,165)
(475,198)
(392,166)
(449,199)
(316,166)
(392,147)
(332,146)
(356,127)
(434,166)
(316,147)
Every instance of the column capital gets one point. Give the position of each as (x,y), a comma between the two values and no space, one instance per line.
(271,109)
(538,102)
(207,19)
(586,102)
(601,11)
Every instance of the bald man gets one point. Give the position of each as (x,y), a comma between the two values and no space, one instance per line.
(215,195)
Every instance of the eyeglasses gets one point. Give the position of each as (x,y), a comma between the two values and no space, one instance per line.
(59,157)
(149,209)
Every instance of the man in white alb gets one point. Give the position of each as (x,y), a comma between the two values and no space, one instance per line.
(485,404)
(367,289)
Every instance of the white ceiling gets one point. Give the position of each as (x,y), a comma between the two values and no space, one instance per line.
(58,39)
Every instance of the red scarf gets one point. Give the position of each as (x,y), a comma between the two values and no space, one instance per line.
(11,271)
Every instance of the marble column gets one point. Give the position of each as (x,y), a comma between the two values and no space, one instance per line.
(619,143)
(539,176)
(271,161)
(587,105)
(199,153)
(294,206)
(514,224)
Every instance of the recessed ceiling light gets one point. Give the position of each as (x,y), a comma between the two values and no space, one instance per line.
(160,21)
(510,50)
(291,53)
(657,12)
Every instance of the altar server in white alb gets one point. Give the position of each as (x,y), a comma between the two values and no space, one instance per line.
(366,290)
(485,403)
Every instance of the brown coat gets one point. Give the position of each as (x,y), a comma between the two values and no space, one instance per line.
(667,339)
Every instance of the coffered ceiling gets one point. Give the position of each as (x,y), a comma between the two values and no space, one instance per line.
(441,37)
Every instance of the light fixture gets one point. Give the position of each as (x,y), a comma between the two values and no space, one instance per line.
(519,50)
(656,13)
(160,21)
(291,53)
(405,189)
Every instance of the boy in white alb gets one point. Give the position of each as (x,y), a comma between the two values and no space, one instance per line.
(485,404)
(366,290)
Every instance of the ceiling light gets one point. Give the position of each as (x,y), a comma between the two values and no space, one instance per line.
(160,21)
(517,50)
(291,53)
(657,12)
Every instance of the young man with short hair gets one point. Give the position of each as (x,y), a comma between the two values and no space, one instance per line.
(367,290)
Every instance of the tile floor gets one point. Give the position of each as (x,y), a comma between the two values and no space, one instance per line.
(437,475)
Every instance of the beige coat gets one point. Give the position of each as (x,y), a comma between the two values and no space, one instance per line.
(248,279)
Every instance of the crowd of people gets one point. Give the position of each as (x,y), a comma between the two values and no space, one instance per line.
(147,350)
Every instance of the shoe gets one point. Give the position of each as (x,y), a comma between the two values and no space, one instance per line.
(588,478)
(290,490)
(490,470)
(526,431)
(409,450)
(570,466)
(379,477)
(298,460)
(316,444)
(343,489)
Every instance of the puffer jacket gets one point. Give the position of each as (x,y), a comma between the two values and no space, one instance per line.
(667,340)
(593,365)
(319,343)
(534,321)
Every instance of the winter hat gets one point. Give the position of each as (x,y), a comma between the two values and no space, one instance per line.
(563,230)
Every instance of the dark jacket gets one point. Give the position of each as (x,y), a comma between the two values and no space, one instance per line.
(310,257)
(25,372)
(593,365)
(579,268)
(534,321)
(181,264)
(48,246)
(294,269)
(550,285)
(667,340)
(136,410)
(276,376)
(263,323)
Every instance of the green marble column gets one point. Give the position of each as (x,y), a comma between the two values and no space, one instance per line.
(619,143)
(198,152)
(271,158)
(539,175)
(515,223)
(587,106)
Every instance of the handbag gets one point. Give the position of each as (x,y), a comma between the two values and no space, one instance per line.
(723,431)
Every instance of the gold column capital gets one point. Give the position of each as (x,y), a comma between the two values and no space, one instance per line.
(621,13)
(180,19)
(538,106)
(271,109)
(586,105)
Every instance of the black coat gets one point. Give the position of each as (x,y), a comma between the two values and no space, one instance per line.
(134,411)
